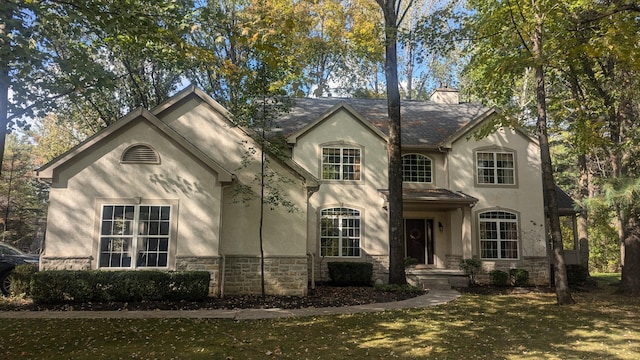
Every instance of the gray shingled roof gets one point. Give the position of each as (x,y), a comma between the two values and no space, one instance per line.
(423,122)
(566,204)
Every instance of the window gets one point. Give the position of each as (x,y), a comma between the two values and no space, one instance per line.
(495,168)
(416,168)
(340,163)
(142,230)
(498,235)
(340,232)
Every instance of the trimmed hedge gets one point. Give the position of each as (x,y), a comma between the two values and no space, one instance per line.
(350,273)
(519,277)
(499,277)
(57,286)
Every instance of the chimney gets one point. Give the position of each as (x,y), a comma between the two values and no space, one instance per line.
(445,95)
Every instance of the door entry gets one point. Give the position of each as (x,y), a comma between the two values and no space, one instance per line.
(418,234)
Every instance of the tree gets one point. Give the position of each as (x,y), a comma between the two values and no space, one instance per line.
(563,294)
(508,40)
(392,19)
(21,196)
(61,53)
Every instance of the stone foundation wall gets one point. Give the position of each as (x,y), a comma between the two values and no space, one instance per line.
(453,262)
(65,263)
(537,266)
(380,268)
(196,263)
(283,275)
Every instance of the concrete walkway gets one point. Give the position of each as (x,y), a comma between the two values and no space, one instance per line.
(434,297)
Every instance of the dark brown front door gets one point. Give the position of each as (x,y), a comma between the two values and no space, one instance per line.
(418,234)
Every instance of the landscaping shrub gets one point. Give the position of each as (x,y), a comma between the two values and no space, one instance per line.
(499,277)
(121,286)
(404,289)
(519,277)
(471,267)
(21,278)
(577,274)
(409,261)
(350,273)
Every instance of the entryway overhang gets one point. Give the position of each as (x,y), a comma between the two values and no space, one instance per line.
(440,199)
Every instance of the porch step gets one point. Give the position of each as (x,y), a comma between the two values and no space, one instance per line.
(436,278)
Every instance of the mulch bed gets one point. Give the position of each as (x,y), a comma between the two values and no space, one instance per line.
(324,296)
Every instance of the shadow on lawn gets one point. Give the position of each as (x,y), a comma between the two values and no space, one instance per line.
(531,325)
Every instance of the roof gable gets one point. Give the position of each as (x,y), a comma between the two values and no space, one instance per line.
(482,118)
(341,106)
(139,114)
(153,117)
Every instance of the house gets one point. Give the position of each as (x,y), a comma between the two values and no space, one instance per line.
(165,188)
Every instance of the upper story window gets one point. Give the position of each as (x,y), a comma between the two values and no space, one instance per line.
(498,235)
(340,232)
(135,236)
(416,168)
(140,154)
(341,163)
(495,168)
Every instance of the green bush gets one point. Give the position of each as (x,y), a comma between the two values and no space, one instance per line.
(471,267)
(409,261)
(499,277)
(405,289)
(577,274)
(21,278)
(350,273)
(121,286)
(519,277)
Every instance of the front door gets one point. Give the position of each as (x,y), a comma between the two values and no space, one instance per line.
(418,234)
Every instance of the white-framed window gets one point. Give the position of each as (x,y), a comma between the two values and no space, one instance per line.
(498,232)
(416,168)
(341,163)
(340,232)
(135,236)
(495,168)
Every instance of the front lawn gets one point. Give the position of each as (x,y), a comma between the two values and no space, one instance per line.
(519,326)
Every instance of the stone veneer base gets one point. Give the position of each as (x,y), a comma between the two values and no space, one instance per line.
(285,275)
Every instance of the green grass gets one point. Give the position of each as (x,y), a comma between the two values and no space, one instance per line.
(601,325)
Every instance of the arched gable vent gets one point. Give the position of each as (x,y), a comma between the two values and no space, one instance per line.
(140,154)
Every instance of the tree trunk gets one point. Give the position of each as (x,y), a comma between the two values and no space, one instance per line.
(630,284)
(583,223)
(628,215)
(396,234)
(563,294)
(6,13)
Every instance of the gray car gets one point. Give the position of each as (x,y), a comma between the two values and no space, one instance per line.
(11,257)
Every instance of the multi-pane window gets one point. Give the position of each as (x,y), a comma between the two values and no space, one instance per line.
(416,168)
(134,232)
(498,235)
(340,163)
(340,232)
(495,168)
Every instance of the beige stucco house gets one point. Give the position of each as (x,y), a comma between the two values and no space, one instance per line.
(159,190)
